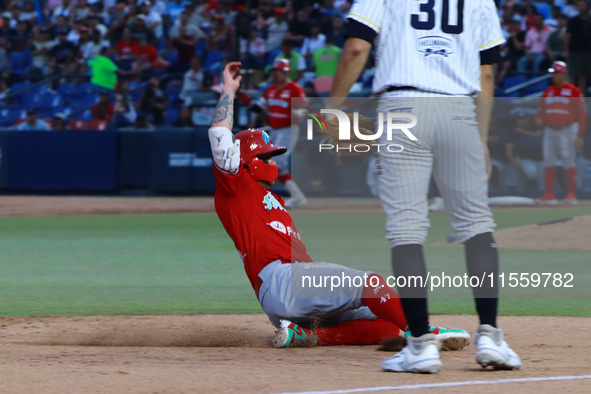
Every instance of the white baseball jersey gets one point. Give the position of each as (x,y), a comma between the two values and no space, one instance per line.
(431,45)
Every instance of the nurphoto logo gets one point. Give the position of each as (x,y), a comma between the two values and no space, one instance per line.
(392,123)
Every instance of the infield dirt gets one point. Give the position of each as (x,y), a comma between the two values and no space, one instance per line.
(231,353)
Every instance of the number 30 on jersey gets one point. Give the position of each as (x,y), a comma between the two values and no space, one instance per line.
(425,19)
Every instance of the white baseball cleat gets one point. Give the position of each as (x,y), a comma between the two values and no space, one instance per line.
(420,355)
(571,199)
(547,199)
(492,350)
(296,202)
(437,205)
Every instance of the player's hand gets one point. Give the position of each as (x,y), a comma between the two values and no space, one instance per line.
(230,77)
(487,158)
(579,143)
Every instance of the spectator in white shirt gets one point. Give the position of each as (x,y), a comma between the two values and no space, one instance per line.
(41,47)
(276,30)
(252,51)
(7,21)
(192,81)
(159,6)
(313,43)
(77,32)
(553,20)
(570,10)
(80,11)
(32,123)
(183,37)
(93,47)
(173,10)
(62,10)
(29,14)
(153,18)
(94,23)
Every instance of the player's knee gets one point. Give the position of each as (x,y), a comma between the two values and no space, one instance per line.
(481,240)
(397,238)
(476,229)
(480,225)
(374,285)
(374,281)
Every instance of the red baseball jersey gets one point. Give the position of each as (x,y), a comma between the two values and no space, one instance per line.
(256,220)
(563,106)
(278,102)
(127,48)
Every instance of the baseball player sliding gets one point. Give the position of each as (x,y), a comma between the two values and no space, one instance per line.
(275,258)
(433,56)
(277,101)
(562,111)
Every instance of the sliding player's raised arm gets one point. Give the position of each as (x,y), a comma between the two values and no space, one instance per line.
(224,148)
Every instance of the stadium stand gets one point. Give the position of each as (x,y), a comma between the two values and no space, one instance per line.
(160,38)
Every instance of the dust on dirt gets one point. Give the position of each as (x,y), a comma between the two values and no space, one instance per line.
(231,353)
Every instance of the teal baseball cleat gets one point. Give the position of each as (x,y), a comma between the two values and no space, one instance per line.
(291,335)
(447,338)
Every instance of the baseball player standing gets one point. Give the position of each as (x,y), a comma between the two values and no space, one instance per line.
(275,258)
(276,99)
(433,56)
(562,111)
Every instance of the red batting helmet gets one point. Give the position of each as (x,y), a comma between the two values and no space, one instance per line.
(256,146)
(558,67)
(281,64)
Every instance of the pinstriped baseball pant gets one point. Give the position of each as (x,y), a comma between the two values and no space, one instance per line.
(450,148)
(287,137)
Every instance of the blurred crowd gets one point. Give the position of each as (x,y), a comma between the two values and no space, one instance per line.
(162,46)
(145,58)
(540,32)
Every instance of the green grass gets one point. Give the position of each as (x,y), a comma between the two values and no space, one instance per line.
(185,263)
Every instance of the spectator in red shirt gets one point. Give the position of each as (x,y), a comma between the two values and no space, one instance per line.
(126,50)
(147,57)
(127,46)
(103,110)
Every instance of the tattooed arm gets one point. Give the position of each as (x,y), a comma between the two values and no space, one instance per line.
(223,115)
(224,148)
(224,111)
